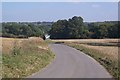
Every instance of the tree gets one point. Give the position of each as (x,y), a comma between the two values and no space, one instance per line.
(73,28)
(22,30)
(59,29)
(113,31)
(98,30)
(102,31)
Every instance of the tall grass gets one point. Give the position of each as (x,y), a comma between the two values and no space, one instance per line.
(25,58)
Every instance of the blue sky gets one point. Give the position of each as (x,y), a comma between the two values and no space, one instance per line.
(60,0)
(52,11)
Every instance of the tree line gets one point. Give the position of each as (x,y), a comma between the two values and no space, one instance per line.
(24,30)
(75,28)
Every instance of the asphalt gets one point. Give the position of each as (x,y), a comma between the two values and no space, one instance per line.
(71,63)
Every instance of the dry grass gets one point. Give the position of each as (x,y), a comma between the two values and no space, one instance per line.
(8,43)
(86,40)
(22,57)
(110,51)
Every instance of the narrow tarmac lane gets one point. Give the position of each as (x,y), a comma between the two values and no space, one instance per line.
(71,63)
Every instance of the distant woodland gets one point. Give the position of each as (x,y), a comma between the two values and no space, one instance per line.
(25,29)
(73,28)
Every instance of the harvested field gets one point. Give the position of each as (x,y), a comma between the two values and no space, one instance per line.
(110,51)
(87,40)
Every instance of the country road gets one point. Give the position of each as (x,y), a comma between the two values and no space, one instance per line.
(71,63)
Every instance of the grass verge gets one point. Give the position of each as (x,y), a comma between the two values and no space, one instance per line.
(23,59)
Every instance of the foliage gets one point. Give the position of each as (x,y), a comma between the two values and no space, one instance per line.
(23,30)
(59,29)
(75,28)
(104,30)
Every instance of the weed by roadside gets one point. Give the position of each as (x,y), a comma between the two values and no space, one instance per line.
(26,58)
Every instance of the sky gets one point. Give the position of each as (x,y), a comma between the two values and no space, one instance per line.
(60,0)
(53,11)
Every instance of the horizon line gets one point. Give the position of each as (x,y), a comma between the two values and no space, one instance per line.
(56,21)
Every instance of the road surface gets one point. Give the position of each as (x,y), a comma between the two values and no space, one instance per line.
(71,63)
